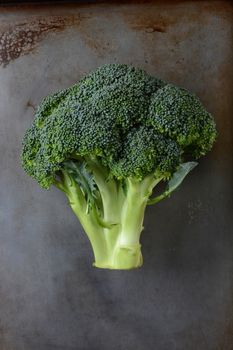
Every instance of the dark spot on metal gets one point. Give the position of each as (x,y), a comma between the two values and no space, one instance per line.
(155,28)
(23,37)
(30,104)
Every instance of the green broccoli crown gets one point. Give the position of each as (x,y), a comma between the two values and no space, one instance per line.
(133,123)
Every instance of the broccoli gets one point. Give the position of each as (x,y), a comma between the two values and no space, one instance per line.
(106,142)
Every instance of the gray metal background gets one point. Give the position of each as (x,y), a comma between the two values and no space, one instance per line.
(50,296)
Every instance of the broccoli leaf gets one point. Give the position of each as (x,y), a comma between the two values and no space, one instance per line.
(175,181)
(84,178)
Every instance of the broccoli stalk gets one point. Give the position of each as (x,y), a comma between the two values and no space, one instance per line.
(106,142)
(115,238)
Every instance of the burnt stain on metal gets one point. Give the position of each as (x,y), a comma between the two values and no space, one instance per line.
(23,37)
(149,21)
(147,24)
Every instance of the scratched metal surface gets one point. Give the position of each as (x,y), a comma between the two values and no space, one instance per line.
(50,296)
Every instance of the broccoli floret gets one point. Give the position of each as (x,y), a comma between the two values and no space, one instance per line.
(179,115)
(144,151)
(106,142)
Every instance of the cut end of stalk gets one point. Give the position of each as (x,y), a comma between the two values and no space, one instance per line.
(111,267)
(124,258)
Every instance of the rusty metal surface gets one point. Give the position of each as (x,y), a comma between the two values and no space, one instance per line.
(50,296)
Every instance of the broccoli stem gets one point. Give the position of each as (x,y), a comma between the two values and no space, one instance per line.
(117,246)
(88,221)
(126,252)
(133,210)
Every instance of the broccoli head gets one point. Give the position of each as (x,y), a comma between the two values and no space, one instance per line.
(106,142)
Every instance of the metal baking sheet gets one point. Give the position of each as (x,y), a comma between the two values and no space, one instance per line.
(50,296)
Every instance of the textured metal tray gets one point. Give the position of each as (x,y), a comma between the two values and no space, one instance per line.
(50,296)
